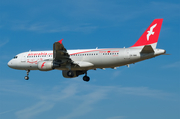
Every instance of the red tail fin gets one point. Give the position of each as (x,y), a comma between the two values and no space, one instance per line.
(150,36)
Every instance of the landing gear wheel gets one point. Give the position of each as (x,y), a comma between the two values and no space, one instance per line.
(26,77)
(86,78)
(70,73)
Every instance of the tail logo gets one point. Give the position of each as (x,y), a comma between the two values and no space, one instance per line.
(150,32)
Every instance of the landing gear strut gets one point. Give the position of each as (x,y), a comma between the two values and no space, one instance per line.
(86,78)
(27,77)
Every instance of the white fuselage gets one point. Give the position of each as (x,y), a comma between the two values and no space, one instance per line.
(86,59)
(77,62)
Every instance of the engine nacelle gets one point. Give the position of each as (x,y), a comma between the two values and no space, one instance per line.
(75,73)
(45,65)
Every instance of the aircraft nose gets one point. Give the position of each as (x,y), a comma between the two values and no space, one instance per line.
(9,63)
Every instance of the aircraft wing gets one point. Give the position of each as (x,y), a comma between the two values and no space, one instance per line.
(60,54)
(61,57)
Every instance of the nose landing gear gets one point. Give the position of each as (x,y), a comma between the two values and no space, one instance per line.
(27,77)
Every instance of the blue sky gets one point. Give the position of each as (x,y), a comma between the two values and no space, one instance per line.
(146,90)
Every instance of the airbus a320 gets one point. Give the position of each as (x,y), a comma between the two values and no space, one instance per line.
(77,62)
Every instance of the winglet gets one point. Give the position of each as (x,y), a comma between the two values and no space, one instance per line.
(60,41)
(150,36)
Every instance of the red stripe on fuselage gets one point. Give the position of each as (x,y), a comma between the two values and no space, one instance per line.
(89,51)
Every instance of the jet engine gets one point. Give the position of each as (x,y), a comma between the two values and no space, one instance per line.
(45,65)
(72,74)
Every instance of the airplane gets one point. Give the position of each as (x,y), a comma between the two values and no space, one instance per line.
(77,62)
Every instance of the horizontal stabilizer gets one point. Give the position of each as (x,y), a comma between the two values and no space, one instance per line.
(147,49)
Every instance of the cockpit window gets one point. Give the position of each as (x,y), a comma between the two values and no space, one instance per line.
(15,57)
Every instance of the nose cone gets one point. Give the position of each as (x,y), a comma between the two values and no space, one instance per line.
(10,64)
(13,64)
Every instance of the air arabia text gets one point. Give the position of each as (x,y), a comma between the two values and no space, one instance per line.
(39,54)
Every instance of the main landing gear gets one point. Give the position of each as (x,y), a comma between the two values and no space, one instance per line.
(27,77)
(73,74)
(86,78)
(70,73)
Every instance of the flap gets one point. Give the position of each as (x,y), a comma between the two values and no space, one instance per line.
(83,64)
